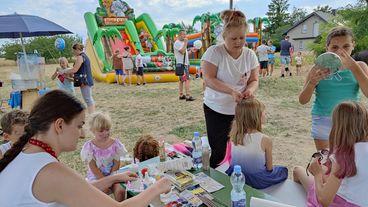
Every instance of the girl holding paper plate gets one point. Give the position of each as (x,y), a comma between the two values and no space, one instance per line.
(335,78)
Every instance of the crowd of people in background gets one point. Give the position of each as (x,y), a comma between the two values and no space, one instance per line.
(266,56)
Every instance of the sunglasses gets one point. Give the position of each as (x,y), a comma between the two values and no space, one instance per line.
(321,155)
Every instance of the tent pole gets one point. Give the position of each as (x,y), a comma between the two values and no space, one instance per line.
(24,52)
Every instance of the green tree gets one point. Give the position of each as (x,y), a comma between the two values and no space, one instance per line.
(277,36)
(350,16)
(277,14)
(297,14)
(44,46)
(326,9)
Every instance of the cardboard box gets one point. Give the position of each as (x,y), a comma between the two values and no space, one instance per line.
(28,98)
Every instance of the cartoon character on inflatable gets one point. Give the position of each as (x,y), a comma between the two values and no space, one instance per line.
(118,8)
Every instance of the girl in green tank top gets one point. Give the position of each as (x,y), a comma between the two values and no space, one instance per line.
(333,88)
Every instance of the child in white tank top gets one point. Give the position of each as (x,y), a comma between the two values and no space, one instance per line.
(251,149)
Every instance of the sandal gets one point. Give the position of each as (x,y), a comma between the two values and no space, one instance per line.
(189,98)
(182,97)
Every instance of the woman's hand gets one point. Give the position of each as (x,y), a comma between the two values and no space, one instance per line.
(317,74)
(163,185)
(237,96)
(126,176)
(315,167)
(248,94)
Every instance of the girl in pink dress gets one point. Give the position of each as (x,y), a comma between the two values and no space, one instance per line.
(103,153)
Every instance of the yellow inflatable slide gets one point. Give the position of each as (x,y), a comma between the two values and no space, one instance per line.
(154,77)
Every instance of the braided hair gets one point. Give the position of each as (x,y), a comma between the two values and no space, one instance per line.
(48,108)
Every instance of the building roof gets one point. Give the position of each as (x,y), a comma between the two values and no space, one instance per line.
(323,15)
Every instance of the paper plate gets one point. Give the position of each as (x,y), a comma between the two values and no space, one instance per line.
(330,61)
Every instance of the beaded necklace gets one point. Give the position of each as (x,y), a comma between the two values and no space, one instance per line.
(44,146)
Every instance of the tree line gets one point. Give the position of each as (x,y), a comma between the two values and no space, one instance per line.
(349,15)
(43,45)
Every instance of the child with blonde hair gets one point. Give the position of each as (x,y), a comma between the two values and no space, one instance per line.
(146,148)
(346,182)
(299,62)
(64,81)
(250,148)
(103,153)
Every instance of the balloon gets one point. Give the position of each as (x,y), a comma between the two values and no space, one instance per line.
(60,44)
(197,44)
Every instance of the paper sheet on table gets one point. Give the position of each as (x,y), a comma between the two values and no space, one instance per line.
(257,202)
(140,165)
(207,183)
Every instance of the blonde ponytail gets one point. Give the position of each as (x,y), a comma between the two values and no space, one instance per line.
(233,18)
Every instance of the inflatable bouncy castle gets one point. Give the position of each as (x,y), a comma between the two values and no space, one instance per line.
(114,26)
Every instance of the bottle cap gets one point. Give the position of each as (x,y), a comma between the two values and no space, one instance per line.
(237,169)
(196,134)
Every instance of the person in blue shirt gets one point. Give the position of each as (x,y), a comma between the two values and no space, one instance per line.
(271,57)
(285,56)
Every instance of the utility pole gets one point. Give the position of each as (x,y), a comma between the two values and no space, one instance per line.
(231,4)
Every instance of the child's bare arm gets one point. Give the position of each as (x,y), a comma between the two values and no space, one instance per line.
(325,189)
(95,170)
(55,74)
(267,146)
(69,76)
(115,166)
(315,75)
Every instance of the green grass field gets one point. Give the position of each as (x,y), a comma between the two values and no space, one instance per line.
(155,109)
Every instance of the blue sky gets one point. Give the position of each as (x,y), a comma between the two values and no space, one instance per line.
(69,13)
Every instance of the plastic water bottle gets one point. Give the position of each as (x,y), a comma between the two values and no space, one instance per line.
(197,151)
(238,198)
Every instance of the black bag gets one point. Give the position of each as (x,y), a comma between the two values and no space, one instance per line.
(180,68)
(80,80)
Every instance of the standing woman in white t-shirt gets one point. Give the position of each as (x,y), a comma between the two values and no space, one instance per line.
(231,74)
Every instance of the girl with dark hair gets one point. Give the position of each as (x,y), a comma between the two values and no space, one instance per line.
(332,89)
(52,129)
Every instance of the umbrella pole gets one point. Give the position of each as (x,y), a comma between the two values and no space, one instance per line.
(25,54)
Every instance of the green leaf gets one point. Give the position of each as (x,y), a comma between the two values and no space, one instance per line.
(98,35)
(196,19)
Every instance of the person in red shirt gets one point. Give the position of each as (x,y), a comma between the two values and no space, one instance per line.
(117,61)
